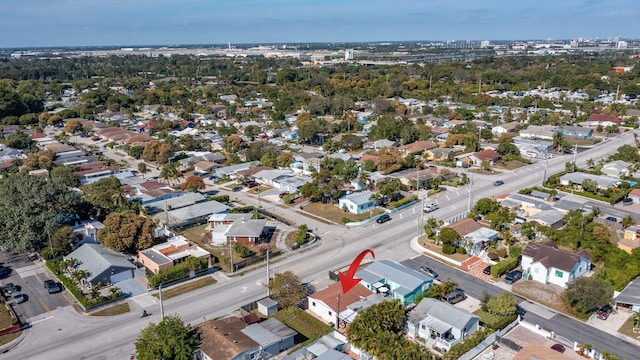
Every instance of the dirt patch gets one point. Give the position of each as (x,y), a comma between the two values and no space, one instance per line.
(548,295)
(484,172)
(511,165)
(183,289)
(113,310)
(424,242)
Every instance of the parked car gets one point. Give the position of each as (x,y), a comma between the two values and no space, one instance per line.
(604,312)
(455,296)
(487,270)
(236,188)
(558,347)
(627,201)
(18,298)
(429,271)
(498,183)
(383,218)
(282,194)
(4,271)
(612,219)
(11,288)
(513,276)
(52,286)
(252,184)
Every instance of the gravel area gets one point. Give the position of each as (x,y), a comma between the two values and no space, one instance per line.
(549,295)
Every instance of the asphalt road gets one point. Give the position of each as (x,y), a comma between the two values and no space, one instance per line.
(66,334)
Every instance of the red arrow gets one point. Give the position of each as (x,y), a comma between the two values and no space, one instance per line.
(349,280)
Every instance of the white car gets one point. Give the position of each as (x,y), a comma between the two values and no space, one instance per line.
(431,207)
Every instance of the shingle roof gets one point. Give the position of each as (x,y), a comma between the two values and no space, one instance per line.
(464,226)
(630,294)
(487,155)
(96,259)
(329,296)
(551,256)
(442,311)
(223,338)
(395,273)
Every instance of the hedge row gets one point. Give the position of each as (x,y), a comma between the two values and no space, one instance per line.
(179,271)
(503,266)
(401,202)
(469,343)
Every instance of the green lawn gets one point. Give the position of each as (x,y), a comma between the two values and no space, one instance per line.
(309,328)
(182,289)
(113,310)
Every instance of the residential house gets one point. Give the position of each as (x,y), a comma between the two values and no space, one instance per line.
(616,169)
(474,237)
(630,239)
(388,277)
(488,155)
(172,201)
(329,347)
(418,147)
(602,120)
(537,132)
(635,196)
(547,264)
(86,232)
(357,203)
(507,128)
(228,228)
(630,297)
(231,171)
(384,143)
(438,154)
(576,178)
(193,214)
(324,303)
(103,264)
(223,339)
(441,321)
(167,254)
(290,135)
(575,132)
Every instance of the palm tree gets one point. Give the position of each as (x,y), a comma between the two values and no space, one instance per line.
(635,317)
(365,178)
(591,164)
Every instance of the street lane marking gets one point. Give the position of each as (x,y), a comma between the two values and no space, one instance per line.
(244,289)
(46,308)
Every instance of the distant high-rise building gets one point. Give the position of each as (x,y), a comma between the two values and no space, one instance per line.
(621,45)
(348,54)
(484,44)
(573,43)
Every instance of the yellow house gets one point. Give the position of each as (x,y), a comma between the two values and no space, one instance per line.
(630,239)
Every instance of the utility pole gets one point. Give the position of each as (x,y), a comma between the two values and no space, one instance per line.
(546,166)
(338,312)
(161,304)
(470,195)
(419,210)
(231,256)
(268,275)
(575,154)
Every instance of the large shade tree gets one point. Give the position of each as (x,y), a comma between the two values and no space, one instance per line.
(33,207)
(286,288)
(169,339)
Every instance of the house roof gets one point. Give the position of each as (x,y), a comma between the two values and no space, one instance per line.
(487,155)
(407,278)
(419,146)
(254,170)
(268,332)
(186,199)
(635,192)
(251,228)
(604,118)
(373,158)
(358,197)
(194,211)
(223,338)
(630,294)
(464,226)
(432,309)
(97,259)
(550,256)
(548,217)
(329,296)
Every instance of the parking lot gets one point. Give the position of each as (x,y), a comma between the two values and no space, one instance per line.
(29,276)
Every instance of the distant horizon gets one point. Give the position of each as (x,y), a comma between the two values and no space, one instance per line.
(302,43)
(91,23)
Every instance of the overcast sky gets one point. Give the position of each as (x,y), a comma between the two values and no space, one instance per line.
(31,23)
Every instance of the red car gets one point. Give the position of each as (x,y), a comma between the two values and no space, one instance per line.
(282,194)
(604,312)
(558,347)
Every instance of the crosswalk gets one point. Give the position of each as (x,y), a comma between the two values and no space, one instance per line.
(143,301)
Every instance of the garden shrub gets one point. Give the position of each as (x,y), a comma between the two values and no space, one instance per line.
(503,266)
(502,252)
(448,249)
(219,198)
(301,235)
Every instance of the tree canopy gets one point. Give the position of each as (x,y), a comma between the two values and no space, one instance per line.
(127,231)
(586,294)
(33,207)
(171,339)
(286,289)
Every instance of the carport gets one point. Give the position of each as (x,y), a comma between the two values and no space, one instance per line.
(630,296)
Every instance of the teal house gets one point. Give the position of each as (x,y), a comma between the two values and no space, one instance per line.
(391,278)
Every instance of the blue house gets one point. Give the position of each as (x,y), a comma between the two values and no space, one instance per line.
(290,135)
(575,131)
(357,203)
(388,277)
